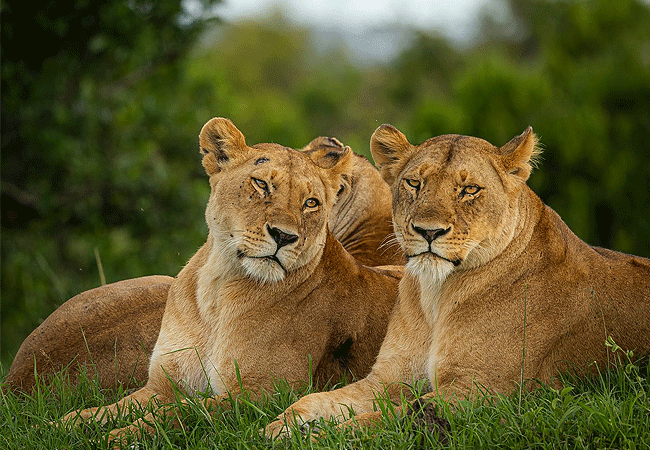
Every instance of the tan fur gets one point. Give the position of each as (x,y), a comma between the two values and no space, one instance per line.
(361,218)
(497,254)
(271,293)
(110,331)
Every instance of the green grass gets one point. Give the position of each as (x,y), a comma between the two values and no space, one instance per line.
(611,410)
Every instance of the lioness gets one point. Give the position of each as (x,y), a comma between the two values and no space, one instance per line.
(489,268)
(271,293)
(111,330)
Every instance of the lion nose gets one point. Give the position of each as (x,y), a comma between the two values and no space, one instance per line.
(280,237)
(431,234)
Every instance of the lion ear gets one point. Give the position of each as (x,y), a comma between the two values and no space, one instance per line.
(520,155)
(339,165)
(321,143)
(221,143)
(388,145)
(326,152)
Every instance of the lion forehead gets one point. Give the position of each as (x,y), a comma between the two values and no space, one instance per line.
(455,158)
(296,177)
(274,177)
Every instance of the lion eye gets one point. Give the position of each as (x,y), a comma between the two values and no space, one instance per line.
(261,184)
(469,190)
(415,184)
(311,203)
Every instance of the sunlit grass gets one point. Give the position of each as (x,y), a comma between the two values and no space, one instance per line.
(611,410)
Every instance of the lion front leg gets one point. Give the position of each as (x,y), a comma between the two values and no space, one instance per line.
(144,426)
(339,404)
(119,437)
(421,413)
(374,418)
(102,414)
(170,412)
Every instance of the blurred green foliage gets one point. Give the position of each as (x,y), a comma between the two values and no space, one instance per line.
(100,123)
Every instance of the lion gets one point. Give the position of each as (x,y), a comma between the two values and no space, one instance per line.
(93,324)
(271,295)
(497,290)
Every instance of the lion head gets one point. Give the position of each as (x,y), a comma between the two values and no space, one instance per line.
(266,221)
(454,197)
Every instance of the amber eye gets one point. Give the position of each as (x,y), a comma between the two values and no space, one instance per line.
(261,184)
(415,184)
(311,203)
(469,190)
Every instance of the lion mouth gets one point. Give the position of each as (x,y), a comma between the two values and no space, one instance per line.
(272,258)
(455,262)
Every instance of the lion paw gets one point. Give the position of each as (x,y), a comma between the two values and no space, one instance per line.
(278,429)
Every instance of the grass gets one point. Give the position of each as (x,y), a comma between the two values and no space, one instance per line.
(609,411)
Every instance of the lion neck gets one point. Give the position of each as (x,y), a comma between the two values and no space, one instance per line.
(518,230)
(361,221)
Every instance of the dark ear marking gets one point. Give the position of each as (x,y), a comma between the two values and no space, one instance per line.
(333,142)
(332,157)
(221,156)
(218,143)
(323,142)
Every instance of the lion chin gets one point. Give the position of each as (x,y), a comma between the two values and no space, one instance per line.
(429,267)
(265,269)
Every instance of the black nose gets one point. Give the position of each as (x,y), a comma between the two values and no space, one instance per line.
(433,234)
(280,237)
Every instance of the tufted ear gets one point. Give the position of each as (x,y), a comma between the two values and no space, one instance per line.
(388,146)
(521,154)
(221,143)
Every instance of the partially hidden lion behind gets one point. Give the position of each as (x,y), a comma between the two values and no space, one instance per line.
(493,276)
(271,295)
(109,332)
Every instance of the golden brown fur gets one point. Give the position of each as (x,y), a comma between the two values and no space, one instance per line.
(271,293)
(110,331)
(361,218)
(486,261)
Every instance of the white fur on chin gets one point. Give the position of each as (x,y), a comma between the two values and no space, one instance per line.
(431,272)
(263,269)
